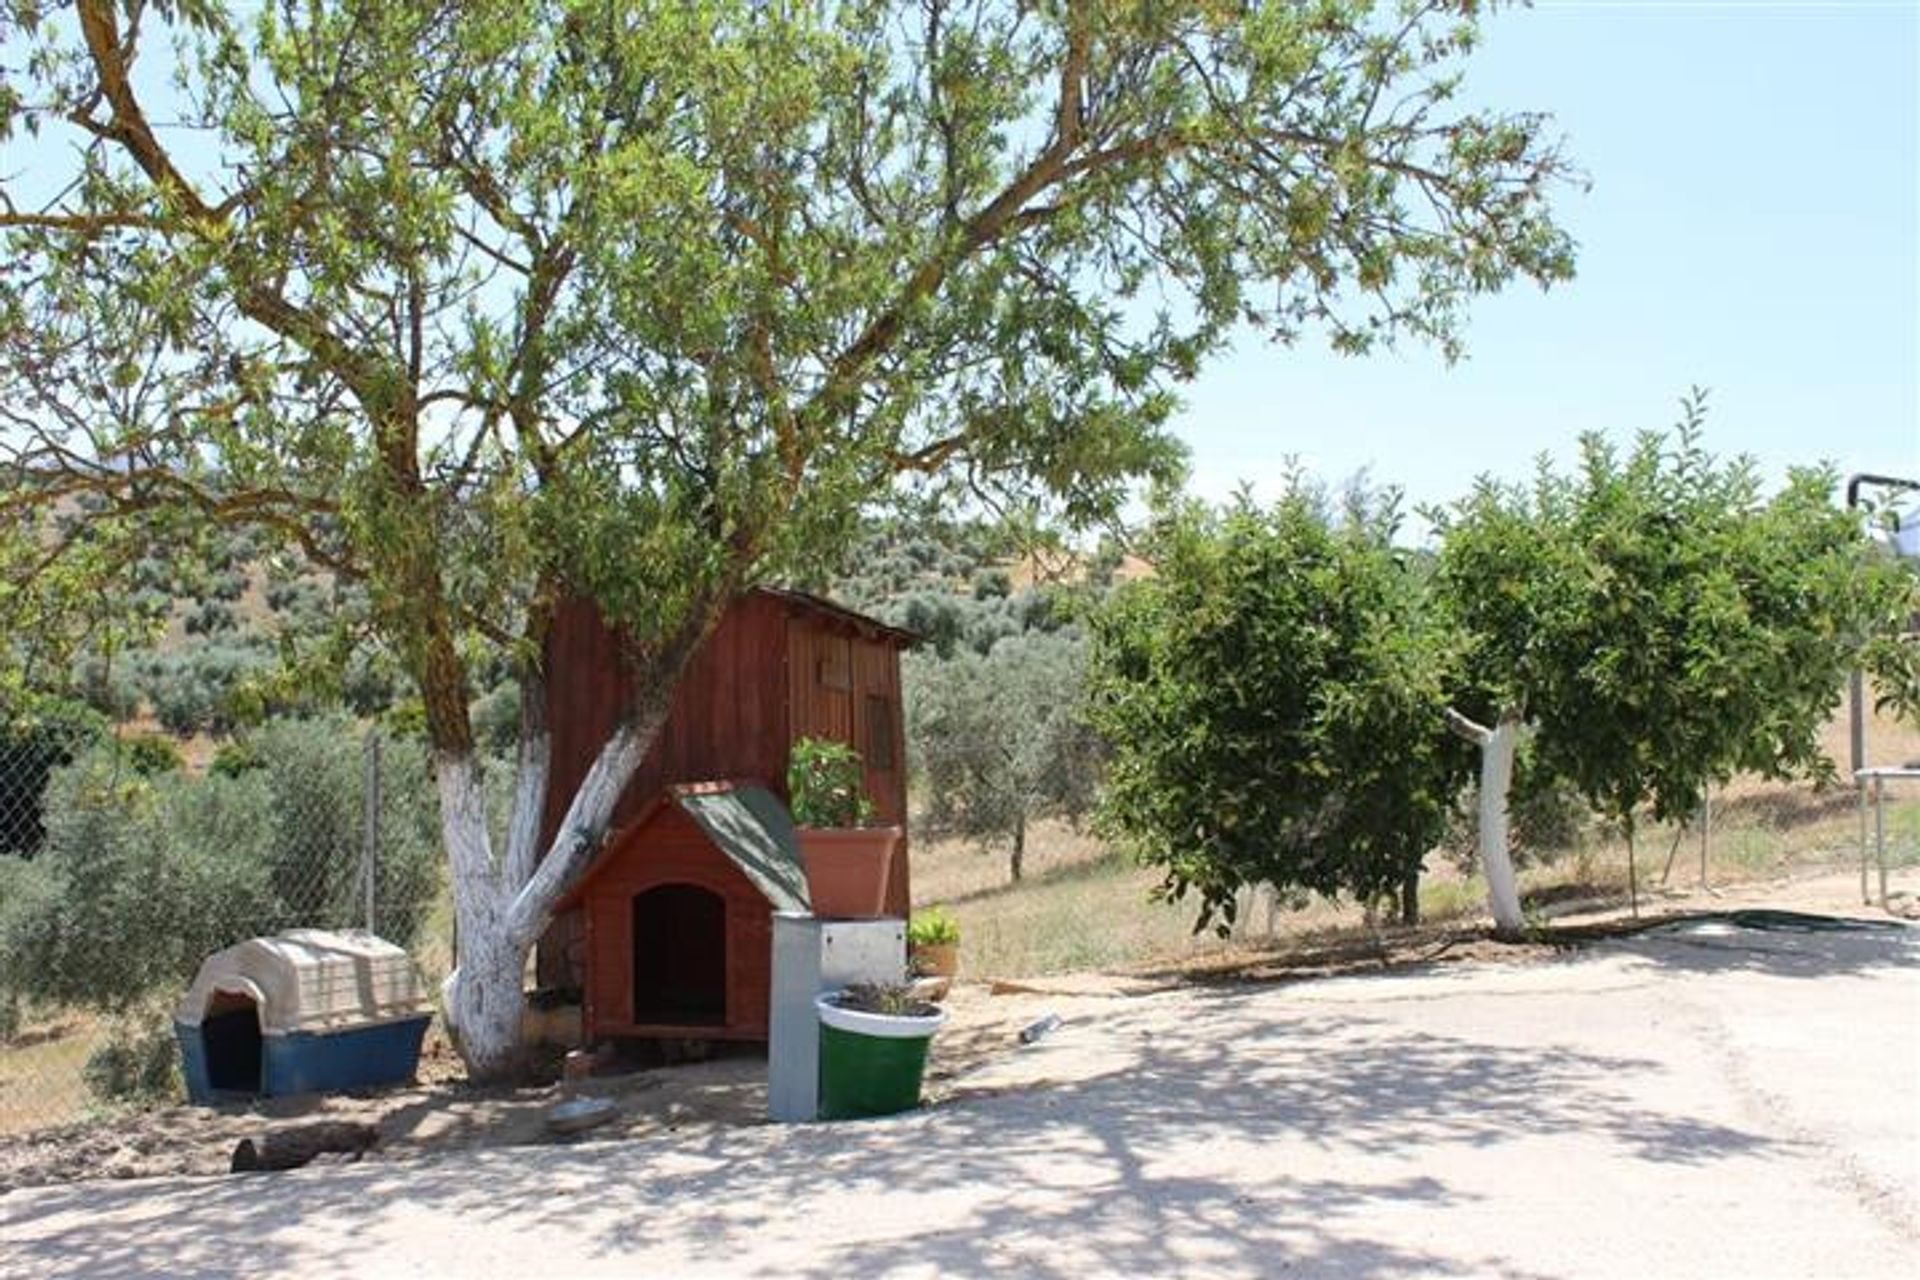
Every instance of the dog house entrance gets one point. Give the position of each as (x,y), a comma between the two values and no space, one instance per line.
(230,1033)
(679,957)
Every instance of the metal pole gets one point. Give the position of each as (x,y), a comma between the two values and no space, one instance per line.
(1861,783)
(1880,833)
(370,845)
(1857,720)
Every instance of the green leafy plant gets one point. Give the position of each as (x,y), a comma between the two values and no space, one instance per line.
(1661,618)
(1657,622)
(150,754)
(933,927)
(140,878)
(139,1062)
(235,758)
(826,785)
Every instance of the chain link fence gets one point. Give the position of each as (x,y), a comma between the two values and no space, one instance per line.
(127,858)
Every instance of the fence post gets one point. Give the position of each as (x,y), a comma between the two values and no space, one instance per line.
(370,842)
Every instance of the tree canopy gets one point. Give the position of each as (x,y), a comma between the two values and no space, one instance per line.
(1275,699)
(1277,694)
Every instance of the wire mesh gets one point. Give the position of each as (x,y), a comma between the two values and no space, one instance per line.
(126,860)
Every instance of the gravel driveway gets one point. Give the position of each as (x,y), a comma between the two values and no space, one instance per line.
(1715,1101)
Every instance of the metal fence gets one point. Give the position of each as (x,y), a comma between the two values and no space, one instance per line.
(126,858)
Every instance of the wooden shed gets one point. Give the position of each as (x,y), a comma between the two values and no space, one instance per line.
(668,933)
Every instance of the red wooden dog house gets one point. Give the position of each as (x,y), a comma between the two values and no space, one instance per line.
(669,932)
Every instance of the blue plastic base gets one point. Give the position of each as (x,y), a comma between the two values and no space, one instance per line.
(305,1062)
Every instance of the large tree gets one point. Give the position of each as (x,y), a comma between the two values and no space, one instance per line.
(1660,621)
(482,303)
(1000,739)
(1274,695)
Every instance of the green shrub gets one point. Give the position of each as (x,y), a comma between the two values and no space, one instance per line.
(31,748)
(315,775)
(1275,699)
(1546,816)
(150,754)
(141,877)
(139,1062)
(130,891)
(496,716)
(235,758)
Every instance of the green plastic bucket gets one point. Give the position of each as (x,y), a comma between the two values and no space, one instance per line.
(871,1064)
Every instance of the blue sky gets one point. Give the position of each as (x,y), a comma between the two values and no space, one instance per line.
(1753,227)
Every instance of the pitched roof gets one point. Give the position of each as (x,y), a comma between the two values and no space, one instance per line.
(750,825)
(747,823)
(859,621)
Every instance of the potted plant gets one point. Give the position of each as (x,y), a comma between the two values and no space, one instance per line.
(873,1049)
(933,943)
(847,861)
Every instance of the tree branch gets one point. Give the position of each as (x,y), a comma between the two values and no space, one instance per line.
(1478,734)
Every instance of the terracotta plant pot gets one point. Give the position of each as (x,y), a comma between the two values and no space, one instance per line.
(936,959)
(847,869)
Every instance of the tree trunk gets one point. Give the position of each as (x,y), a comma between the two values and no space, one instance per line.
(1019,846)
(1497,746)
(1496,781)
(502,904)
(1633,875)
(482,996)
(1410,896)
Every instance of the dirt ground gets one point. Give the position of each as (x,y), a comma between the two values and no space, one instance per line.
(1711,1098)
(446,1115)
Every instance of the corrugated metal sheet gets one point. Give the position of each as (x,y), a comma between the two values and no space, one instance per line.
(752,827)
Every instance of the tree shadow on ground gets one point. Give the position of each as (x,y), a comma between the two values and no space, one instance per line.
(1784,944)
(1175,1152)
(1775,944)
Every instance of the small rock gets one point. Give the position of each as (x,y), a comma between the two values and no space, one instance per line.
(934,989)
(580,1114)
(579,1064)
(1037,1031)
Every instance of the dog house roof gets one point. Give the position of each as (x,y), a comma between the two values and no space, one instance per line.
(311,980)
(748,824)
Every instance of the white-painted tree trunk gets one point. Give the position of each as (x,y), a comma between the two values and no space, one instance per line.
(1497,746)
(1496,784)
(502,904)
(482,996)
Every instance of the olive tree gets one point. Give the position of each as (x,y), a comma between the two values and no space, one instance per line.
(1659,620)
(480,305)
(1274,695)
(145,872)
(1000,739)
